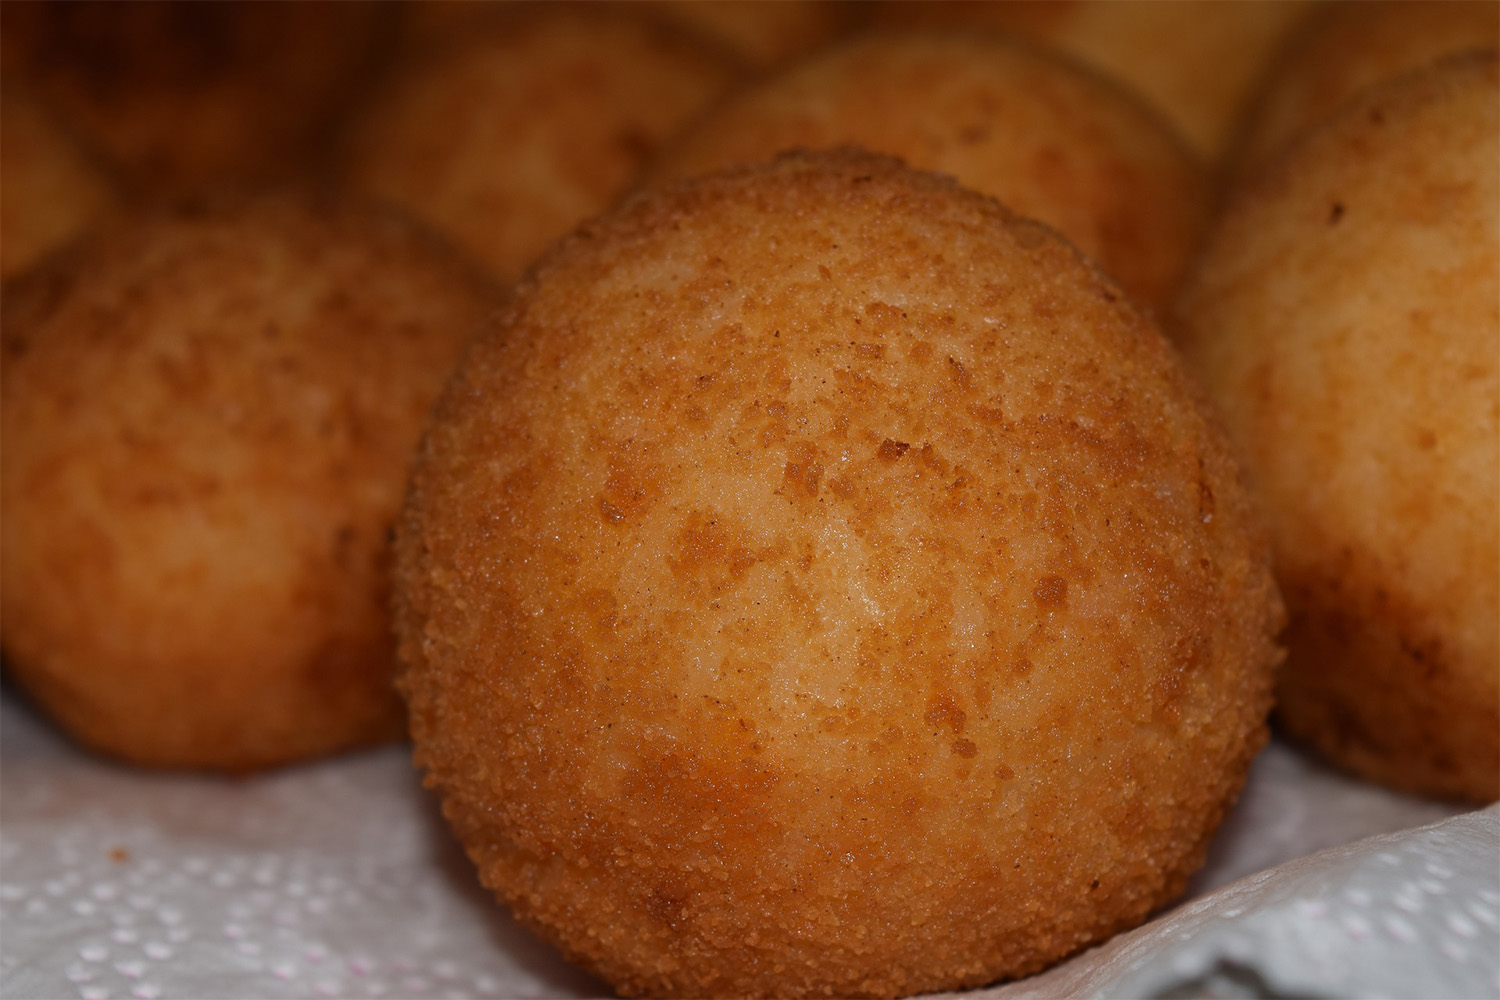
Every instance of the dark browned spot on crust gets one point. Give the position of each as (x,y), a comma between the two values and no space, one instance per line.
(803,471)
(631,487)
(665,907)
(987,414)
(959,373)
(1051,592)
(944,710)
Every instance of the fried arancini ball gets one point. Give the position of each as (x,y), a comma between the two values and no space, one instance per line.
(1045,136)
(530,123)
(822,581)
(1196,60)
(1347,46)
(181,95)
(207,418)
(52,190)
(1346,318)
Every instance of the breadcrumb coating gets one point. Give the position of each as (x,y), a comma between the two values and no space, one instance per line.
(823,582)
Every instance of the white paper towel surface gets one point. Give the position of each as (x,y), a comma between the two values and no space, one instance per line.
(339,880)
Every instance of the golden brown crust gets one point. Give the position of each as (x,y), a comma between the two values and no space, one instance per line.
(509,136)
(1046,137)
(821,581)
(1346,317)
(207,418)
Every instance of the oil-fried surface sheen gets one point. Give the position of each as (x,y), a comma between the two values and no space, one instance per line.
(207,421)
(822,582)
(1346,315)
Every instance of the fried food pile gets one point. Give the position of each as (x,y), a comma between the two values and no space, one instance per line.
(820,574)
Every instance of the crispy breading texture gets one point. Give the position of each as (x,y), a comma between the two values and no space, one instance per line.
(822,581)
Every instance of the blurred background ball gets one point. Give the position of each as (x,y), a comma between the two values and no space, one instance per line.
(1345,47)
(1198,61)
(52,191)
(1346,318)
(1046,137)
(537,117)
(207,417)
(182,96)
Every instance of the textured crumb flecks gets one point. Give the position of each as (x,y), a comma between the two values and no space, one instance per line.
(207,421)
(821,581)
(1346,315)
(1045,136)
